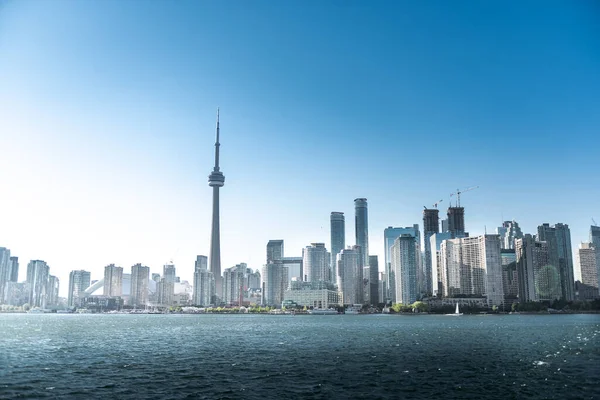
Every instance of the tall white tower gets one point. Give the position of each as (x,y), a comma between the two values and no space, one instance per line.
(216,179)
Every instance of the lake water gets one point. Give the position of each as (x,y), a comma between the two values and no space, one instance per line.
(262,356)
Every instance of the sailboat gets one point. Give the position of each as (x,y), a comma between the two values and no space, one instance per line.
(456,312)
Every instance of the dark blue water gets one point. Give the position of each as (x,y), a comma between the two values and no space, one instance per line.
(260,356)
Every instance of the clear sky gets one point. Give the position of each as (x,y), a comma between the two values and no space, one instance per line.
(107,113)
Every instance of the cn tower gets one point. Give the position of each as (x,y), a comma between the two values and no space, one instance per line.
(216,179)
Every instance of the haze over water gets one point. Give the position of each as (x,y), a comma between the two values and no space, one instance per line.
(261,356)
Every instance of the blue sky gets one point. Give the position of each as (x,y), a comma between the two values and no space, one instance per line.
(107,113)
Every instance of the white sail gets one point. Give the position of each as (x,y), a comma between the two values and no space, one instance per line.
(456,312)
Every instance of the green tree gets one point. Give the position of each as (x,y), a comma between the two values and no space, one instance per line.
(419,306)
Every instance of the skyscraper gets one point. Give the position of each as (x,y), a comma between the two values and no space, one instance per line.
(215,180)
(274,278)
(510,276)
(472,266)
(294,267)
(233,285)
(113,281)
(390,235)
(14,271)
(204,282)
(509,231)
(338,237)
(374,280)
(435,243)
(52,291)
(456,221)
(349,275)
(5,271)
(140,277)
(590,275)
(37,280)
(274,250)
(361,226)
(538,280)
(431,226)
(79,280)
(558,238)
(315,262)
(404,264)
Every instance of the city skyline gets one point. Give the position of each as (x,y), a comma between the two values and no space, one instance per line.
(86,170)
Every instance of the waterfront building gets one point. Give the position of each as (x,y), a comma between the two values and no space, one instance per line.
(79,281)
(404,264)
(431,226)
(319,294)
(253,280)
(510,276)
(373,282)
(338,237)
(14,269)
(435,242)
(5,271)
(509,231)
(204,283)
(361,226)
(167,284)
(16,294)
(52,291)
(538,279)
(37,280)
(349,275)
(558,238)
(274,283)
(140,276)
(382,282)
(472,266)
(216,180)
(233,285)
(588,264)
(390,235)
(113,281)
(316,263)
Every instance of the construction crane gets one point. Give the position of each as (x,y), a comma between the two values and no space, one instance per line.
(435,204)
(594,221)
(458,193)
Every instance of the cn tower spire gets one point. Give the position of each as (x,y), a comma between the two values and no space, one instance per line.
(216,179)
(217,144)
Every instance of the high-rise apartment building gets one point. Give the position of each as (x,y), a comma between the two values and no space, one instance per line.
(538,279)
(390,235)
(316,263)
(472,266)
(113,281)
(349,275)
(456,221)
(435,242)
(233,285)
(590,274)
(274,251)
(373,298)
(140,279)
(204,283)
(510,276)
(509,231)
(79,281)
(338,237)
(37,281)
(431,226)
(52,291)
(253,280)
(167,284)
(14,270)
(274,283)
(5,271)
(404,264)
(558,238)
(361,226)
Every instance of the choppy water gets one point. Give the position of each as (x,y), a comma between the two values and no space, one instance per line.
(260,356)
